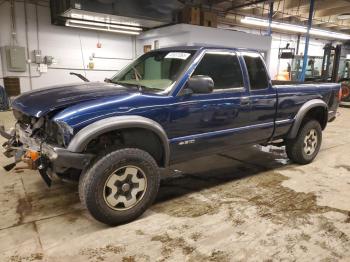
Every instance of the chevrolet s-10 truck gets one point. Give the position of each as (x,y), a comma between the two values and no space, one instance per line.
(169,105)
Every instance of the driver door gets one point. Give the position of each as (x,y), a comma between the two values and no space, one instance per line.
(201,124)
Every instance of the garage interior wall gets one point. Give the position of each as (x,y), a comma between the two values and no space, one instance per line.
(184,34)
(280,41)
(71,48)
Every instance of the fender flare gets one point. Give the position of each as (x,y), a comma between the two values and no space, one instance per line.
(85,135)
(303,111)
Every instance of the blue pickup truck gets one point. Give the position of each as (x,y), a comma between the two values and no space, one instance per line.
(167,106)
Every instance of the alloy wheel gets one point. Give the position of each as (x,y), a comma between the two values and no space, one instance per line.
(125,187)
(310,142)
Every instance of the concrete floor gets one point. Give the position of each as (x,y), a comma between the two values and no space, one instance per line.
(247,205)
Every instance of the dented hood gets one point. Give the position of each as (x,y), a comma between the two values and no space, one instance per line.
(42,101)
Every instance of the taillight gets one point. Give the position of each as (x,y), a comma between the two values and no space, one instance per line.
(340,93)
(345,91)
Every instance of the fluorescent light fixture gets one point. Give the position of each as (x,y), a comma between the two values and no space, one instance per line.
(344,16)
(83,22)
(294,28)
(121,29)
(103,19)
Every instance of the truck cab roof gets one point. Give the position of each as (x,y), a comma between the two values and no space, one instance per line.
(203,47)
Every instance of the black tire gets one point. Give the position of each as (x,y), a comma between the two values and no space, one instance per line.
(92,185)
(295,147)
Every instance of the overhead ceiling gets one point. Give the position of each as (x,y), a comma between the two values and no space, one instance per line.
(329,14)
(141,13)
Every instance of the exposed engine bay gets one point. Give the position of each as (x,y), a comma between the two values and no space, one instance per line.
(41,129)
(40,143)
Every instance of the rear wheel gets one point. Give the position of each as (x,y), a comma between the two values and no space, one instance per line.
(120,186)
(304,148)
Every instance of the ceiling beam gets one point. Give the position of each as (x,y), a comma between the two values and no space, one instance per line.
(324,16)
(244,5)
(332,11)
(319,5)
(216,2)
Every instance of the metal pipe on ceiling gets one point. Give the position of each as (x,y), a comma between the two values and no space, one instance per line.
(13,23)
(27,43)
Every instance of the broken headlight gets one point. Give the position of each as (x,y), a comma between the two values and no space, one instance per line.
(59,132)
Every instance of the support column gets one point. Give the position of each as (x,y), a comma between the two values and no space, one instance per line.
(269,32)
(307,39)
(298,43)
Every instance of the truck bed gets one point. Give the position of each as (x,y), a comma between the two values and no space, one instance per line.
(291,95)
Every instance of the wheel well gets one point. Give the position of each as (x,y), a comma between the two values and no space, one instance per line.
(317,113)
(140,138)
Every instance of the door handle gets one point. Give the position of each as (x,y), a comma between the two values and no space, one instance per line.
(245,101)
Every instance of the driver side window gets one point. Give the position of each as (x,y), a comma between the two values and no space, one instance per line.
(223,68)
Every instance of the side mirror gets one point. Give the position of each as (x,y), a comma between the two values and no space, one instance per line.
(201,84)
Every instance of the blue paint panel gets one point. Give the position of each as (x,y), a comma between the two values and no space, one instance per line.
(215,121)
(221,132)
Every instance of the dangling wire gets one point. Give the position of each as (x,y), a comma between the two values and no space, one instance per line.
(82,54)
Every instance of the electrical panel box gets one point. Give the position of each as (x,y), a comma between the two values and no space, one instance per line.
(38,59)
(15,57)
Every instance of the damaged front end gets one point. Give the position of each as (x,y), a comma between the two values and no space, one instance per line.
(41,144)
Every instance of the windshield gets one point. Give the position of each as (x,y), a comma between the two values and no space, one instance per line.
(155,71)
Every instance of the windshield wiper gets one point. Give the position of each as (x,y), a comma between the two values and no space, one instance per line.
(151,88)
(126,84)
(80,76)
(138,86)
(137,74)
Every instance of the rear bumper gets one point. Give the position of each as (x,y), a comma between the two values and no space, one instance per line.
(345,103)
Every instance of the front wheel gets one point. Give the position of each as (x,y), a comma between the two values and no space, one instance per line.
(120,185)
(304,148)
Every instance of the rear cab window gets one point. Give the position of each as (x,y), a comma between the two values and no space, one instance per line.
(258,78)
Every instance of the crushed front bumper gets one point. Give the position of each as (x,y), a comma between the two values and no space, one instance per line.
(50,160)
